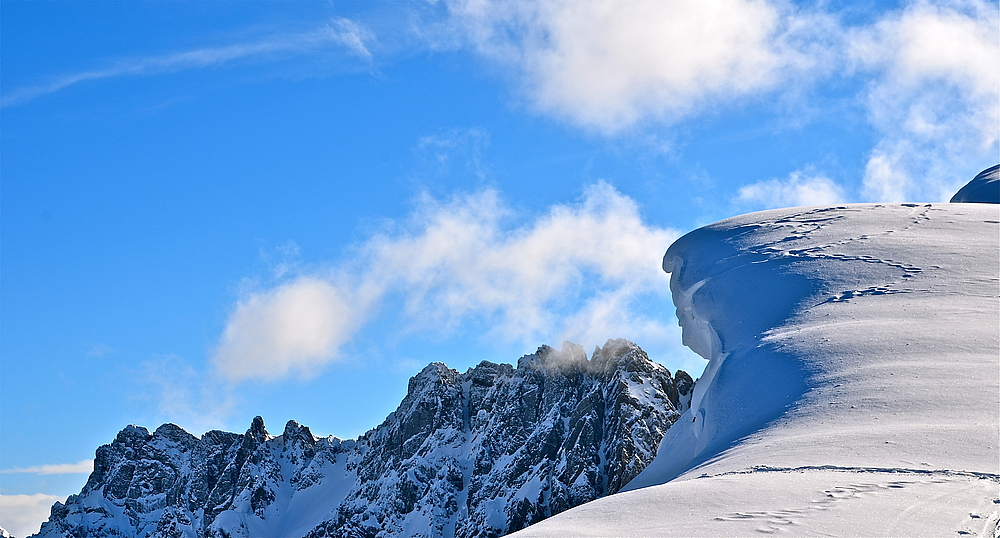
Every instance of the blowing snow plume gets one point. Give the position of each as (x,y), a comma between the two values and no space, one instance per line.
(577,272)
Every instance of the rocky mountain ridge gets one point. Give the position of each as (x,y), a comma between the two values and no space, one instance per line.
(475,454)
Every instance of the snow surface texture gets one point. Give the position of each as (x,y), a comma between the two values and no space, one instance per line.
(983,189)
(474,454)
(852,388)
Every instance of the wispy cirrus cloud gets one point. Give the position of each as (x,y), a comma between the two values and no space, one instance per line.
(183,394)
(82,466)
(355,38)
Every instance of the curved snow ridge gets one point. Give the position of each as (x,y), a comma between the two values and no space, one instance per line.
(983,189)
(857,345)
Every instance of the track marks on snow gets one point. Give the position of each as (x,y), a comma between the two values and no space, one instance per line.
(867,482)
(805,224)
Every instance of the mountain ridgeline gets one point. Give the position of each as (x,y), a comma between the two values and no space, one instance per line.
(478,454)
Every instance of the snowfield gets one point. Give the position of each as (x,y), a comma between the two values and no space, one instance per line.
(853,384)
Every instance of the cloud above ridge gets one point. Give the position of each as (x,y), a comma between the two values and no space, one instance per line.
(934,96)
(575,272)
(300,325)
(799,189)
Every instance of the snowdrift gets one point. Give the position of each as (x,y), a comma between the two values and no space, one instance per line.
(852,387)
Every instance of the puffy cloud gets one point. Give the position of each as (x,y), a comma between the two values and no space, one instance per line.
(574,272)
(297,326)
(82,466)
(927,70)
(796,190)
(458,260)
(934,98)
(608,64)
(22,515)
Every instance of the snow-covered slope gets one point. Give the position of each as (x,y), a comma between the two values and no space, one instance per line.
(852,388)
(475,454)
(983,189)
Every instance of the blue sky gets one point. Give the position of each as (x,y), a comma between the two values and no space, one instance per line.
(213,210)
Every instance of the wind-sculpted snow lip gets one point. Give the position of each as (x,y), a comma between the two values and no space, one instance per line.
(852,381)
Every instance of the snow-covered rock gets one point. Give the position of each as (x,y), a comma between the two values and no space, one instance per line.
(4,533)
(983,189)
(476,454)
(852,388)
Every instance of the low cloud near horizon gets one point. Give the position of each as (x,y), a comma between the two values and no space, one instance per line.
(574,272)
(22,515)
(82,466)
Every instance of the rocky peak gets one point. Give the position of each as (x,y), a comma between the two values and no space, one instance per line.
(257,432)
(569,360)
(132,435)
(296,433)
(173,434)
(478,454)
(685,389)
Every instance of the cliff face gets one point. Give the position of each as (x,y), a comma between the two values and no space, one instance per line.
(482,453)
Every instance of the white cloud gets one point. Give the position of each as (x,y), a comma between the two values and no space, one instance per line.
(935,98)
(182,395)
(346,33)
(296,327)
(352,35)
(82,466)
(575,272)
(608,64)
(931,89)
(458,260)
(797,190)
(22,515)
